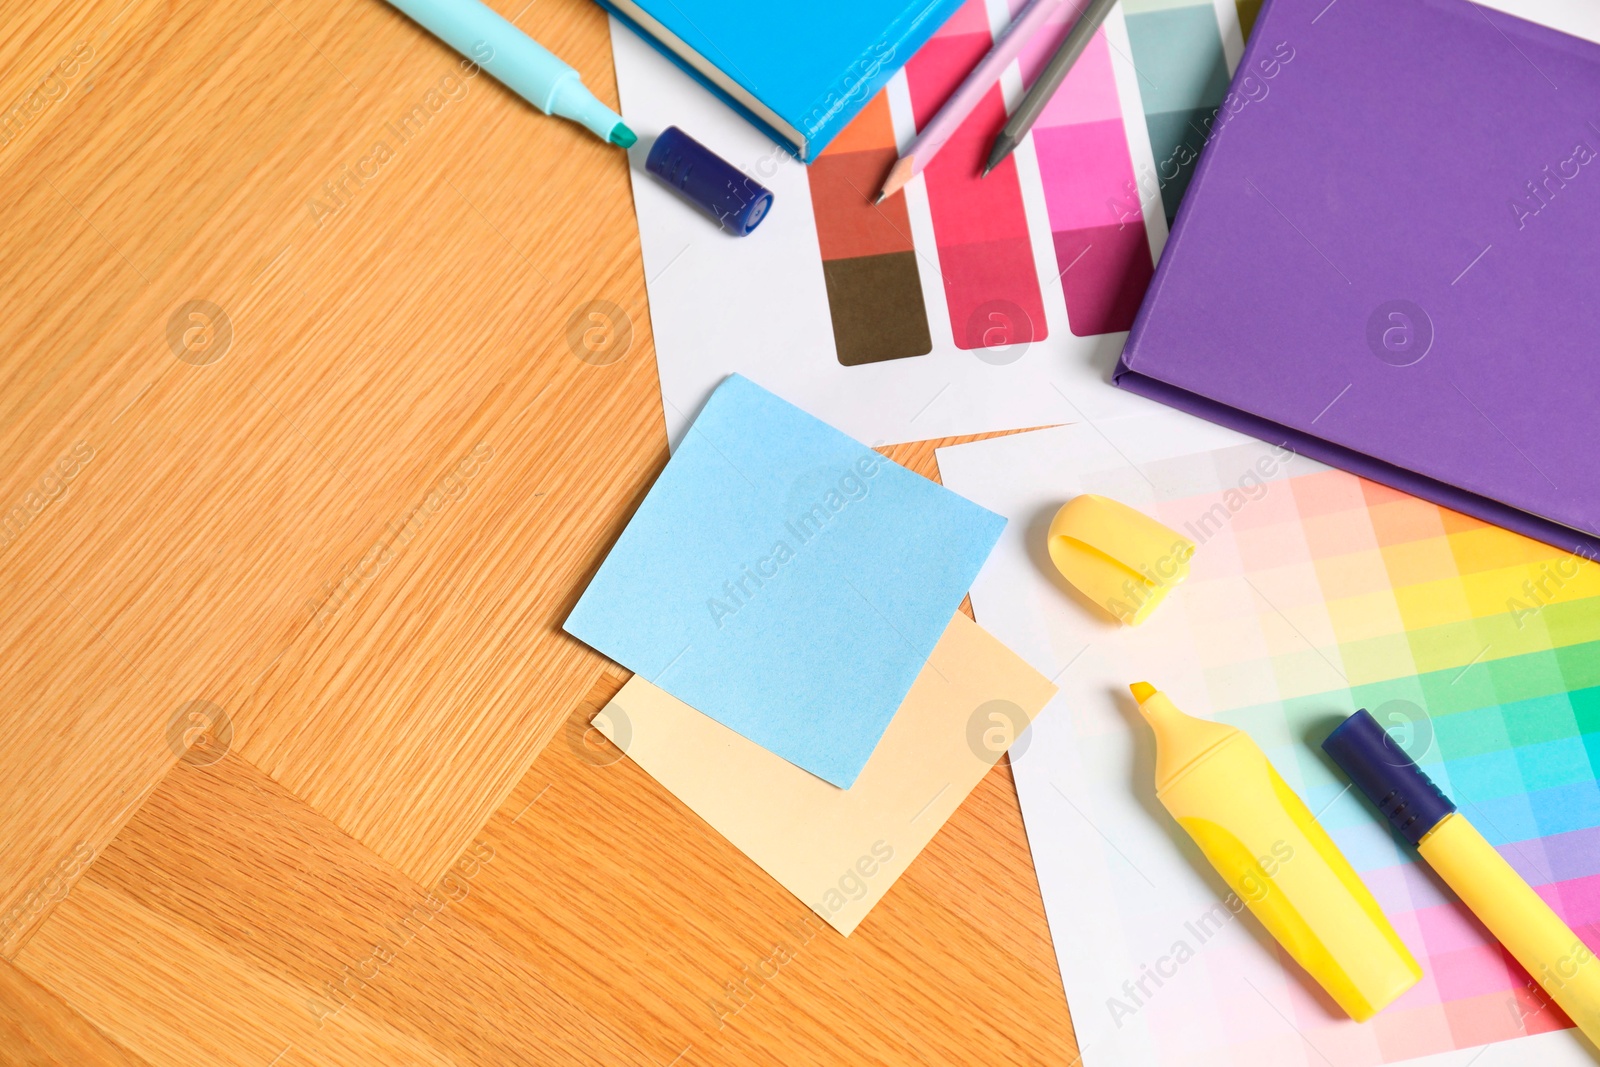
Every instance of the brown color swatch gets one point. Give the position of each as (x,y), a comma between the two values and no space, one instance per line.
(877,308)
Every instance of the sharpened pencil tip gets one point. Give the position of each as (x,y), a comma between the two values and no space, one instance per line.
(904,169)
(1003,147)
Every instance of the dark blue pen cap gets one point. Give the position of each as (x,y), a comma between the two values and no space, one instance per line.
(1380,768)
(733,199)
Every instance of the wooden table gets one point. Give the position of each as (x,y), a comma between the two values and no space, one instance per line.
(311,439)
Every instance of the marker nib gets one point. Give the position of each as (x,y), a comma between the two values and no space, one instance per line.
(622,136)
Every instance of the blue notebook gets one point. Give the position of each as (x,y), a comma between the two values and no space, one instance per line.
(800,71)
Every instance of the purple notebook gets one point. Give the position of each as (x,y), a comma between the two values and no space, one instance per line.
(1389,258)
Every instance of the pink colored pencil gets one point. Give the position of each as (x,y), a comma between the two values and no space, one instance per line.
(933,136)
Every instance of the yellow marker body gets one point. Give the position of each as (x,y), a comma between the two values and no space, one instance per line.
(1120,558)
(1274,854)
(1518,918)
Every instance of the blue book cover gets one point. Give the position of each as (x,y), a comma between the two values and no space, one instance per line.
(800,71)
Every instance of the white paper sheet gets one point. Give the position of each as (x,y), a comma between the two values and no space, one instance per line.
(1122,884)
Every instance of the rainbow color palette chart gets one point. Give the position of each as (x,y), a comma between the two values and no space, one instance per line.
(964,305)
(1313,593)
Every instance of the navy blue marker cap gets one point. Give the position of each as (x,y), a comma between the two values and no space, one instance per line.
(733,199)
(1380,768)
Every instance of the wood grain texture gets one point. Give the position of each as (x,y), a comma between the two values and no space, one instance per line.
(372,353)
(38,1029)
(592,920)
(330,528)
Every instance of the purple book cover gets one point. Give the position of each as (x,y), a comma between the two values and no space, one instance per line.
(1389,258)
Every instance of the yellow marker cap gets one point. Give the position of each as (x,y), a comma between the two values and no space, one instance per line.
(1276,857)
(1120,558)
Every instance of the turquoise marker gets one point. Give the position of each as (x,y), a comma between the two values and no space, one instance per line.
(518,62)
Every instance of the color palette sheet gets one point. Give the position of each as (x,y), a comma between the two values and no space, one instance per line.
(1313,593)
(869,262)
(961,306)
(839,850)
(785,580)
(1096,216)
(980,225)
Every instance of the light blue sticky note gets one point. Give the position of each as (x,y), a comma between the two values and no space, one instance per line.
(785,580)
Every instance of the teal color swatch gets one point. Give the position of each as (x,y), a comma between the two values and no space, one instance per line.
(1183,74)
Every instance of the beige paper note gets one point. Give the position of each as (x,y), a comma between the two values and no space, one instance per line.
(839,850)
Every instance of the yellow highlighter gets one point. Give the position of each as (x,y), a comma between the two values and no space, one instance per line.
(1500,898)
(1274,854)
